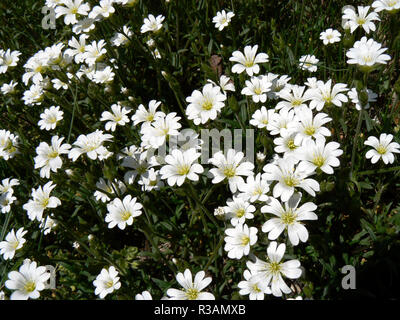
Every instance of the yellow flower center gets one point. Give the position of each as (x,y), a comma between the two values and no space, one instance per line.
(109,284)
(125,215)
(318,160)
(30,286)
(327,98)
(288,217)
(45,202)
(256,288)
(240,213)
(310,130)
(381,149)
(150,117)
(248,63)
(74,10)
(245,241)
(274,267)
(192,294)
(183,169)
(367,58)
(229,172)
(291,145)
(361,21)
(296,102)
(207,105)
(15,244)
(53,154)
(257,91)
(291,181)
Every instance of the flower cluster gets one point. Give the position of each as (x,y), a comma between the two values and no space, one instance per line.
(116,160)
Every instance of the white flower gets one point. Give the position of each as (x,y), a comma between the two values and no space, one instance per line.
(91,144)
(308,62)
(248,61)
(367,54)
(154,135)
(6,200)
(106,282)
(27,282)
(278,84)
(13,242)
(286,119)
(34,95)
(180,165)
(271,272)
(142,115)
(312,83)
(231,168)
(257,88)
(362,18)
(239,240)
(253,286)
(8,144)
(254,189)
(108,187)
(58,84)
(40,201)
(151,180)
(382,148)
(121,213)
(105,9)
(152,23)
(120,39)
(388,5)
(262,118)
(145,295)
(53,3)
(34,68)
(219,212)
(222,19)
(83,26)
(191,289)
(6,185)
(353,95)
(48,157)
(238,210)
(137,160)
(48,224)
(105,75)
(117,117)
(330,36)
(285,143)
(8,88)
(94,52)
(226,84)
(295,97)
(71,10)
(289,177)
(310,126)
(8,59)
(50,117)
(317,154)
(289,217)
(326,95)
(78,48)
(205,105)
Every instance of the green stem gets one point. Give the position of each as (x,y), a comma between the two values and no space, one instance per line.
(384,170)
(214,254)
